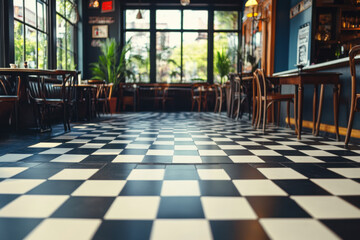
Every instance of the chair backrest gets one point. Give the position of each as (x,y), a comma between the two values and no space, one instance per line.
(355,51)
(128,89)
(260,83)
(218,90)
(105,91)
(195,87)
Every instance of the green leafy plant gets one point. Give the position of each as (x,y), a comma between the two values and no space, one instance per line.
(112,64)
(223,64)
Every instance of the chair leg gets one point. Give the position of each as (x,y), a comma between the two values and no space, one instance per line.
(264,115)
(288,113)
(321,100)
(258,113)
(221,103)
(278,113)
(238,109)
(351,119)
(216,105)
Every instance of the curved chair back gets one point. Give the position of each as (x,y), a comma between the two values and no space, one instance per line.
(355,51)
(196,89)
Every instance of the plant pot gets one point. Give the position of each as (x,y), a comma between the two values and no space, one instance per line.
(112,103)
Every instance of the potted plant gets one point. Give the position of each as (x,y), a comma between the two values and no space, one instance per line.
(112,66)
(223,64)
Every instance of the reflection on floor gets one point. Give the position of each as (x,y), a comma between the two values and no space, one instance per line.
(180,176)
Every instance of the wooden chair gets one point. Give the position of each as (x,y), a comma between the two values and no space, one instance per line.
(128,93)
(355,51)
(103,97)
(265,97)
(219,97)
(8,97)
(199,95)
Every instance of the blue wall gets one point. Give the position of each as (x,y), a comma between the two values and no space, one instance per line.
(282,36)
(295,23)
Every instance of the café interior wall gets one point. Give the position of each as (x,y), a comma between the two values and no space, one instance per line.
(90,53)
(281,35)
(295,23)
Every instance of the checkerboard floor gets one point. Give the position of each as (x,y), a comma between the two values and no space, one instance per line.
(180,176)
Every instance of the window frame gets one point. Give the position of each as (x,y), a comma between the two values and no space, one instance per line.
(210,34)
(25,24)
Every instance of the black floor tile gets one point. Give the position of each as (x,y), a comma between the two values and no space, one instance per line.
(142,188)
(218,188)
(236,230)
(300,187)
(56,187)
(347,229)
(84,207)
(6,198)
(37,173)
(157,159)
(242,171)
(175,174)
(17,228)
(180,207)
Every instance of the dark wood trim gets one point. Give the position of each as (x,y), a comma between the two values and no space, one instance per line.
(7,54)
(152,45)
(52,64)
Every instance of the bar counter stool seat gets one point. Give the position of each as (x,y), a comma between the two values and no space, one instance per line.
(355,97)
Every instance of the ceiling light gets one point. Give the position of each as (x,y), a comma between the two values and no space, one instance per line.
(184,2)
(251,3)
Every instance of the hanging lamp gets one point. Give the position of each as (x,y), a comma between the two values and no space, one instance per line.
(184,2)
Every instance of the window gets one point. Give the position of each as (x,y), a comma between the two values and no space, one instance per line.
(66,34)
(30,33)
(225,40)
(138,36)
(182,41)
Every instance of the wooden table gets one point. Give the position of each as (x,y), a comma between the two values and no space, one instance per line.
(316,79)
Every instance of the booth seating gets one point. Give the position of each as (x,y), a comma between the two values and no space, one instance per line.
(128,93)
(11,94)
(199,93)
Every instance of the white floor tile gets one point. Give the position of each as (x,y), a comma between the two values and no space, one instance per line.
(128,159)
(33,206)
(146,174)
(353,158)
(134,208)
(160,152)
(281,173)
(104,138)
(107,152)
(227,208)
(347,172)
(296,229)
(248,143)
(212,153)
(291,143)
(317,153)
(180,188)
(69,158)
(204,143)
(19,186)
(265,153)
(231,147)
(65,137)
(186,159)
(246,159)
(137,146)
(327,147)
(258,187)
(79,141)
(13,157)
(74,174)
(65,228)
(278,147)
(213,174)
(189,229)
(100,188)
(56,151)
(304,159)
(120,142)
(93,145)
(327,207)
(8,172)
(339,186)
(45,145)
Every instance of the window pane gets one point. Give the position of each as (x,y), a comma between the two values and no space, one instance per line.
(42,49)
(70,37)
(195,19)
(227,44)
(30,12)
(226,20)
(133,23)
(139,55)
(168,19)
(30,47)
(60,7)
(18,9)
(70,65)
(168,57)
(19,43)
(195,57)
(60,42)
(41,17)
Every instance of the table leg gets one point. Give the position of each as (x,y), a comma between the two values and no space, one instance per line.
(336,110)
(254,102)
(300,105)
(321,100)
(295,109)
(314,108)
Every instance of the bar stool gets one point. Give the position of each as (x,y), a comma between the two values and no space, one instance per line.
(355,51)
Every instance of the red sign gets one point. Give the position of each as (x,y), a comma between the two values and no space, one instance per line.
(107,6)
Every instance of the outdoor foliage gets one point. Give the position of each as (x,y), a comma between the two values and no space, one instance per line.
(223,64)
